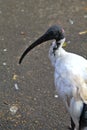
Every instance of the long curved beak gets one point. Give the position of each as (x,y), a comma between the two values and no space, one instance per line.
(47,36)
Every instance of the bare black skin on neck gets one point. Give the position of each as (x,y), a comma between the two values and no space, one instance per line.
(55,48)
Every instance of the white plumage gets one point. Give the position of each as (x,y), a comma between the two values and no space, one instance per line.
(70,77)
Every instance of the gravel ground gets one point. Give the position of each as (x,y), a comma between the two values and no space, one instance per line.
(28,99)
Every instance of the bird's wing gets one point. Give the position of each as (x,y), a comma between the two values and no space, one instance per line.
(79,75)
(79,80)
(72,70)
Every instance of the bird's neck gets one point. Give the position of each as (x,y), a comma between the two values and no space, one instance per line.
(60,52)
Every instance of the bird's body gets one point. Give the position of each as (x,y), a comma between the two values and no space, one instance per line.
(70,76)
(70,70)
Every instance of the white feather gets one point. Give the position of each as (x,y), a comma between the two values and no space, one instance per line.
(70,79)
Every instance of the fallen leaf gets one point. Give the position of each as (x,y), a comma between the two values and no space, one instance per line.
(84,32)
(15,77)
(5,102)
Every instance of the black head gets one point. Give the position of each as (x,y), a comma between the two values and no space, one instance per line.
(54,32)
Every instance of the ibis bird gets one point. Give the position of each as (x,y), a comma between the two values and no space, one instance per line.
(70,75)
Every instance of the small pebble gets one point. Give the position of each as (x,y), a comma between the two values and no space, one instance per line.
(13,109)
(56,96)
(35,99)
(2,39)
(16,86)
(68,42)
(5,50)
(71,21)
(22,10)
(22,33)
(85,16)
(4,64)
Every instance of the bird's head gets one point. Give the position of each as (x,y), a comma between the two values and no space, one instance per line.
(54,32)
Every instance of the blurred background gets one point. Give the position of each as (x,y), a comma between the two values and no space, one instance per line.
(28,99)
